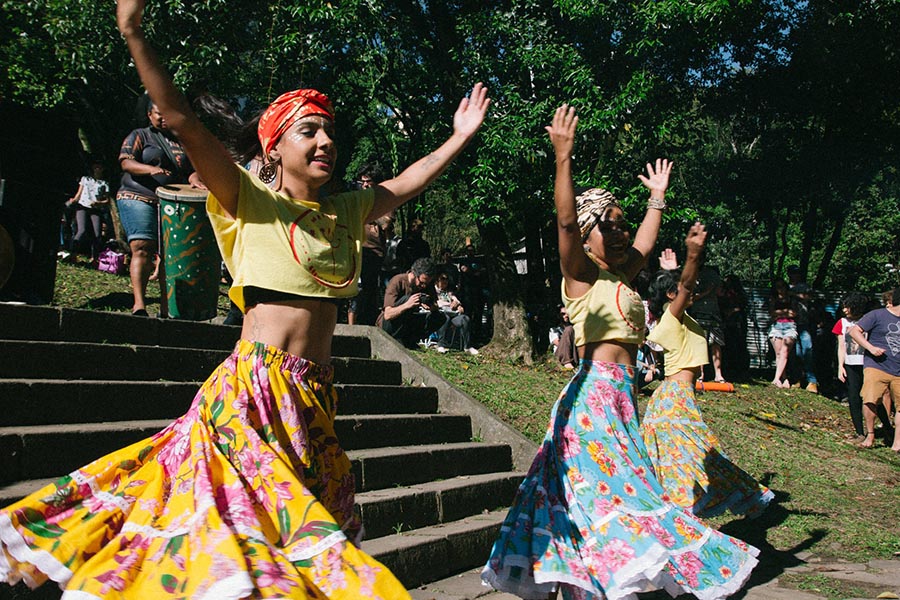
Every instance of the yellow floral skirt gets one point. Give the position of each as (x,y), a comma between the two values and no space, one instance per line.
(689,461)
(248,494)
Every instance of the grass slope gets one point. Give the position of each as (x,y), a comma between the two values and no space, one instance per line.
(833,499)
(78,285)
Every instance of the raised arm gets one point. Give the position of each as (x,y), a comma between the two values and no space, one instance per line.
(695,242)
(575,265)
(657,181)
(212,161)
(415,178)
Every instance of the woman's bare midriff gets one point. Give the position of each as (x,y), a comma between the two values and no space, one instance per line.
(300,327)
(686,375)
(609,351)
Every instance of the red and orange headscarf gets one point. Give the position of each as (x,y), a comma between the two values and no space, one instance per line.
(287,109)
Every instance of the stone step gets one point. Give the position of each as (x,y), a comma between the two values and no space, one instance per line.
(392,510)
(461,586)
(436,552)
(39,323)
(49,450)
(381,468)
(51,401)
(372,468)
(397,510)
(80,360)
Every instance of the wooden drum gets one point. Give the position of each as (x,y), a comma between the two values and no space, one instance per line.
(192,260)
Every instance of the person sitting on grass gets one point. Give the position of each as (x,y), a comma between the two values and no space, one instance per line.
(457,322)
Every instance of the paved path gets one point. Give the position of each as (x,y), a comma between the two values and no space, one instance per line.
(877,579)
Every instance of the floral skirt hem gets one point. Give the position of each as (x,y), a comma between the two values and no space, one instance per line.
(248,494)
(648,576)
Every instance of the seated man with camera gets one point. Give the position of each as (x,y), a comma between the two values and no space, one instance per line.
(410,313)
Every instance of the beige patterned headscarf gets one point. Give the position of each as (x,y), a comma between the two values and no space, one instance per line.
(590,205)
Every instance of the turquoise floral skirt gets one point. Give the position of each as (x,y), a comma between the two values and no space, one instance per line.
(592,521)
(689,461)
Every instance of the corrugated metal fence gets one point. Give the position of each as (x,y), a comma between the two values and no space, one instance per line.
(758,322)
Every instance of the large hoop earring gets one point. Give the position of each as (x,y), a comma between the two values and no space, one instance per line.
(268,171)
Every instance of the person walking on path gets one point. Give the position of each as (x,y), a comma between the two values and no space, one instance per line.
(850,357)
(687,457)
(249,494)
(878,333)
(91,203)
(783,331)
(590,520)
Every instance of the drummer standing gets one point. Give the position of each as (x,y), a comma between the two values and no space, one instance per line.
(150,157)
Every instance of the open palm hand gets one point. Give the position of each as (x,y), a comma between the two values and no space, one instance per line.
(471,112)
(657,178)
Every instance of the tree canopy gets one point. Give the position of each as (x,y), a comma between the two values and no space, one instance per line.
(783,117)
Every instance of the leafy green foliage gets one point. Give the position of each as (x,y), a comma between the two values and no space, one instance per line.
(783,118)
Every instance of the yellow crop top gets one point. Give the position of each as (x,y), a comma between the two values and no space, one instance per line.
(297,247)
(610,310)
(684,342)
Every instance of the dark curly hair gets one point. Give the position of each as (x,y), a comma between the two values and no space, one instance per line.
(663,283)
(856,303)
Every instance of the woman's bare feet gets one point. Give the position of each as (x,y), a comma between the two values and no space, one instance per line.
(868,441)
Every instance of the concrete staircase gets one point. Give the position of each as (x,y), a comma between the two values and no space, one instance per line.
(75,385)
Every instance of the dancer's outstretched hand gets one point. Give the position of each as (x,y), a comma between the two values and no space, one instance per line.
(562,130)
(696,238)
(668,260)
(658,177)
(471,111)
(129,14)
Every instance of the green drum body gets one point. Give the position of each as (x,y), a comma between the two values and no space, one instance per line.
(192,259)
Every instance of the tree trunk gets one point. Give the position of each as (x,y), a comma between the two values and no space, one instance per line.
(829,253)
(511,339)
(810,236)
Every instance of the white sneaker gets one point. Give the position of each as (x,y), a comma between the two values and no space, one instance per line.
(441,349)
(472,351)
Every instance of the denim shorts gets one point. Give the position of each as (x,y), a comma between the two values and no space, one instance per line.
(139,219)
(783,330)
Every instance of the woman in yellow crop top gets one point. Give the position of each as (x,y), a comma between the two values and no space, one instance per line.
(687,458)
(590,520)
(249,493)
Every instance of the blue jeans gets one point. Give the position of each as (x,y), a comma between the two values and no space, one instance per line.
(804,351)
